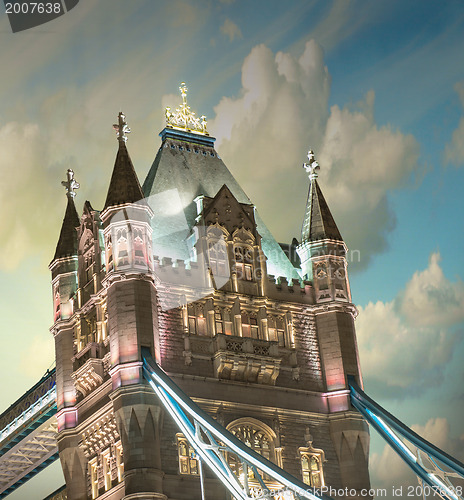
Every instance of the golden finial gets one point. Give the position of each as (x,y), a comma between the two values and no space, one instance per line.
(184,118)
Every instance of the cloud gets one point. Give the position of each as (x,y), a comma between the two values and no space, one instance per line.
(231,30)
(408,338)
(282,111)
(431,300)
(388,469)
(454,151)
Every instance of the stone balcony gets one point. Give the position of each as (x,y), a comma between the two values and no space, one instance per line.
(237,358)
(89,367)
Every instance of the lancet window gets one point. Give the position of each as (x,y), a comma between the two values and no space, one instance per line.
(109,252)
(217,254)
(188,460)
(123,251)
(93,472)
(243,262)
(311,464)
(139,250)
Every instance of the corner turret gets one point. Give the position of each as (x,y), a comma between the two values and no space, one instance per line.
(322,250)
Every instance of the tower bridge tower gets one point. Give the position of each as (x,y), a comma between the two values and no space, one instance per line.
(186,267)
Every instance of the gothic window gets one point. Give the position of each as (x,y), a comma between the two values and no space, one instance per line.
(88,265)
(123,254)
(223,321)
(250,325)
(119,461)
(276,329)
(188,460)
(258,437)
(311,469)
(56,299)
(217,254)
(196,320)
(93,472)
(139,254)
(243,262)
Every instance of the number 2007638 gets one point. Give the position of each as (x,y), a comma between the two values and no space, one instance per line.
(33,8)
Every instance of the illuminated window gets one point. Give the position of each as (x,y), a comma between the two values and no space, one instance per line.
(93,471)
(222,317)
(188,460)
(119,461)
(311,469)
(259,438)
(196,320)
(243,262)
(139,254)
(57,303)
(123,254)
(276,329)
(217,254)
(109,252)
(250,325)
(106,458)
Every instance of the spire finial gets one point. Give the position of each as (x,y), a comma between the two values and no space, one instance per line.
(184,118)
(70,184)
(312,167)
(121,127)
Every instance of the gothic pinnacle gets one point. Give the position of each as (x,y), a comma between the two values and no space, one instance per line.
(70,184)
(121,128)
(312,167)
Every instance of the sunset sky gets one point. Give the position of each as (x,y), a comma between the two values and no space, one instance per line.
(375,88)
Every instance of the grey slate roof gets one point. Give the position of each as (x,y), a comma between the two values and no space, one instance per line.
(67,242)
(124,185)
(183,169)
(318,222)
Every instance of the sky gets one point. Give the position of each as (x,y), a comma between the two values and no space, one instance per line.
(376,89)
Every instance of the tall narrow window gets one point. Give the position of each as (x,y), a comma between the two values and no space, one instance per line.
(123,254)
(119,461)
(250,325)
(109,252)
(93,471)
(188,460)
(106,458)
(276,329)
(243,262)
(217,254)
(196,320)
(219,320)
(139,254)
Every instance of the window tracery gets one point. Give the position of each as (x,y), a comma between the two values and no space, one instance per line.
(196,319)
(123,251)
(217,255)
(250,325)
(243,256)
(311,460)
(188,460)
(276,329)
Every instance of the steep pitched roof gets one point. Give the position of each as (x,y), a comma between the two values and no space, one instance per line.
(67,242)
(124,185)
(184,168)
(318,222)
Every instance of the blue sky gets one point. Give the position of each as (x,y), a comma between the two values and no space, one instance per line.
(375,88)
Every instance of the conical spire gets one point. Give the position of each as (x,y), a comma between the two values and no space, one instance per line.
(318,222)
(124,184)
(67,242)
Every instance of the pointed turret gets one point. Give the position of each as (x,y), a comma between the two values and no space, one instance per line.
(124,185)
(318,222)
(322,250)
(67,242)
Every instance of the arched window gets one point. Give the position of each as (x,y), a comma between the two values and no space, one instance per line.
(188,460)
(139,253)
(196,320)
(243,262)
(109,252)
(223,320)
(259,437)
(123,254)
(217,255)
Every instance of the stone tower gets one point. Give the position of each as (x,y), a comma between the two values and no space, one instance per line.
(187,268)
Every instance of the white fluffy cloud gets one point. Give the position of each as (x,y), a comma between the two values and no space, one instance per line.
(281,112)
(409,338)
(454,151)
